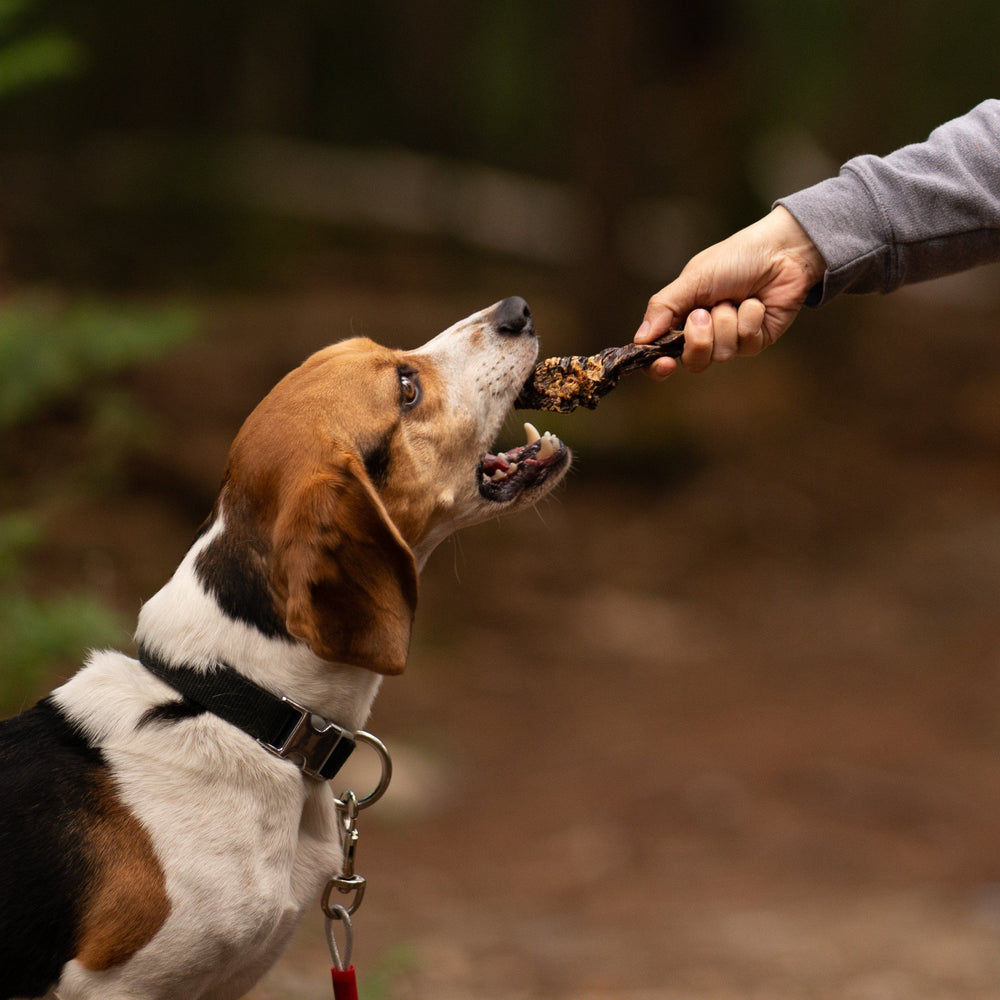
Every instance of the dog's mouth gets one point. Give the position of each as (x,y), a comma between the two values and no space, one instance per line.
(505,476)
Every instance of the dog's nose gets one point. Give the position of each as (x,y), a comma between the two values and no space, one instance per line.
(512,316)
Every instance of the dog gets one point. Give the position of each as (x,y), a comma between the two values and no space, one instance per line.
(154,844)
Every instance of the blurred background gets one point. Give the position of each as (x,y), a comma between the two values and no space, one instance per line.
(721,719)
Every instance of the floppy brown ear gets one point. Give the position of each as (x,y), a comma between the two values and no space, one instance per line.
(345,578)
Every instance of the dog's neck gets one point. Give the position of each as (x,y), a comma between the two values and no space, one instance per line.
(184,625)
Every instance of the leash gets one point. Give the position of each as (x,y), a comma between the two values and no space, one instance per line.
(349,882)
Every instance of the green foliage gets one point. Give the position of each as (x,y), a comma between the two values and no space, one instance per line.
(35,57)
(18,532)
(37,633)
(64,353)
(861,77)
(55,353)
(51,351)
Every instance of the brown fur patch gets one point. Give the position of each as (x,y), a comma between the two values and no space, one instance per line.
(346,578)
(342,576)
(127,903)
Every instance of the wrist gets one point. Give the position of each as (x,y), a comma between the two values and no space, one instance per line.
(790,240)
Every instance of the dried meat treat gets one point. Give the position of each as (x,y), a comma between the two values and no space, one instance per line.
(562,384)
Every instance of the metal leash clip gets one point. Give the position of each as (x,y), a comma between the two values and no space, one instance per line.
(349,882)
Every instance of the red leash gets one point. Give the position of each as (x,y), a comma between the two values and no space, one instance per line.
(345,984)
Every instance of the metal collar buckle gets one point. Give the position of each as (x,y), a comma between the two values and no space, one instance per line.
(310,746)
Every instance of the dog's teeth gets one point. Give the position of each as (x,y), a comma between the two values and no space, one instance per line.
(512,469)
(531,432)
(548,447)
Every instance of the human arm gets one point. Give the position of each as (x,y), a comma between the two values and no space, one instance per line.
(926,210)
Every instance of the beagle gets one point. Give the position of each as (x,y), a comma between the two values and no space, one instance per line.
(163,827)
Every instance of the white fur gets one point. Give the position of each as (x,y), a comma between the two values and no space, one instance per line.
(484,372)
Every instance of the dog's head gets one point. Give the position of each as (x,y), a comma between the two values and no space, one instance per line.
(361,460)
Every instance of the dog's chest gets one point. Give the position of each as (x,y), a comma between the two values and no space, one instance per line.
(246,854)
(241,869)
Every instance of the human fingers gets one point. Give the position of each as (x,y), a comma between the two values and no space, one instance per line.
(749,327)
(698,340)
(724,332)
(773,258)
(657,322)
(661,369)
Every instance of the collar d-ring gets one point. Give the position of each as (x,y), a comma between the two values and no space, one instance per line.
(386,776)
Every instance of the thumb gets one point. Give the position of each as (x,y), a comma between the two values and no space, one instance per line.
(668,307)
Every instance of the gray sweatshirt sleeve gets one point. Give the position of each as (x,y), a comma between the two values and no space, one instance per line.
(924,211)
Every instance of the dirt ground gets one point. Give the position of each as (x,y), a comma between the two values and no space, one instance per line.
(720,720)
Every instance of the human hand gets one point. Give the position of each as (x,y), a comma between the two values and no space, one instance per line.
(738,296)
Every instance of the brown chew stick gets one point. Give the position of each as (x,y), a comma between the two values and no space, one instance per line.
(562,384)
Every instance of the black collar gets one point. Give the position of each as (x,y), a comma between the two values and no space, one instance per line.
(316,746)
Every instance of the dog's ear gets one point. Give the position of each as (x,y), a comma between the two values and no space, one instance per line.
(343,575)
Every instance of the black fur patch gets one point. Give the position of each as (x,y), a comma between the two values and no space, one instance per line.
(377,459)
(170,711)
(49,774)
(232,570)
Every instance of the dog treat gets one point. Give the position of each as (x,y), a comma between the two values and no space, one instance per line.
(562,384)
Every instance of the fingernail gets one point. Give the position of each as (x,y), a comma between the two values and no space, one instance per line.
(642,331)
(700,317)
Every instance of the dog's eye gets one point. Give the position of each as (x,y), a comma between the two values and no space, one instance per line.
(409,389)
